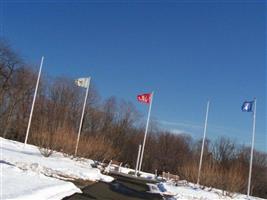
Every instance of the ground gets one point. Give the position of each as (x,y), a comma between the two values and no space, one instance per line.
(26,174)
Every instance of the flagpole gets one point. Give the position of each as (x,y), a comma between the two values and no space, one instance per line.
(147,123)
(138,158)
(33,102)
(252,148)
(81,122)
(203,142)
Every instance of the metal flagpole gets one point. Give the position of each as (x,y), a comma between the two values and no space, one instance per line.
(252,147)
(33,102)
(138,158)
(203,142)
(144,142)
(81,122)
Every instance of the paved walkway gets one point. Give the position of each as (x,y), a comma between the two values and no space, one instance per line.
(120,189)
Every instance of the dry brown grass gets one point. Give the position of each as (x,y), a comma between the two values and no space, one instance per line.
(63,140)
(212,175)
(189,171)
(96,147)
(235,179)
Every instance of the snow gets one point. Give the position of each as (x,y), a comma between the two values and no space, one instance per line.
(126,170)
(18,184)
(26,174)
(190,191)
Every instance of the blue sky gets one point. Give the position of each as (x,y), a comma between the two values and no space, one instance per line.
(186,52)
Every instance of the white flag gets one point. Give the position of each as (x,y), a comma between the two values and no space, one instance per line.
(82,82)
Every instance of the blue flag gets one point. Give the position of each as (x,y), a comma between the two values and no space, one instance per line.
(247,106)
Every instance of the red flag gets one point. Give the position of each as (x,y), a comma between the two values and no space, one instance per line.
(144,98)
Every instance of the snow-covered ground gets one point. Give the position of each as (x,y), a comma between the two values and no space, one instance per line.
(26,174)
(20,184)
(24,171)
(189,191)
(132,171)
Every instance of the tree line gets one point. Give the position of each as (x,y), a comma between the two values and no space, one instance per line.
(113,129)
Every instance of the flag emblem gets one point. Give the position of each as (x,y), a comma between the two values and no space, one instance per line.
(144,98)
(82,82)
(247,106)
